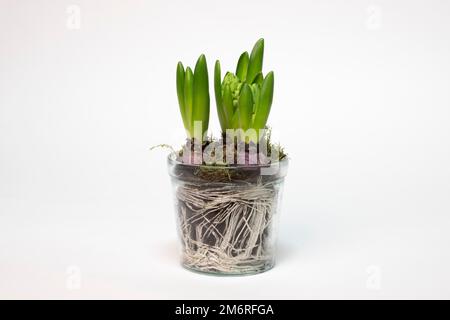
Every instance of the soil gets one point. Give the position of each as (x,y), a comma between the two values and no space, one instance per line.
(189,168)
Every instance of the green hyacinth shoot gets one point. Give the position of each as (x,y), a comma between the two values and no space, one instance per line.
(193,97)
(244,98)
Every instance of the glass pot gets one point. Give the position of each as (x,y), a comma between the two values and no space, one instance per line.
(227,215)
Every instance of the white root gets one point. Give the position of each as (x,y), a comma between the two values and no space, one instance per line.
(226,228)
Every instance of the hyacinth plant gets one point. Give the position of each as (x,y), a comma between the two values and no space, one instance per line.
(193,98)
(244,98)
(226,214)
(243,101)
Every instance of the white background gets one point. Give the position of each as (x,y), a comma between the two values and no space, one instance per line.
(362,105)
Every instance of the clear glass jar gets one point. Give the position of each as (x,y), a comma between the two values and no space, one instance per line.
(227,215)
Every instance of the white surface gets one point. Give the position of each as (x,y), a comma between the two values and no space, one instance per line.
(362,105)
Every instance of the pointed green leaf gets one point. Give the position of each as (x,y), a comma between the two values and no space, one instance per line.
(265,102)
(228,104)
(256,93)
(256,60)
(218,93)
(201,93)
(258,79)
(242,66)
(245,107)
(180,91)
(235,120)
(188,98)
